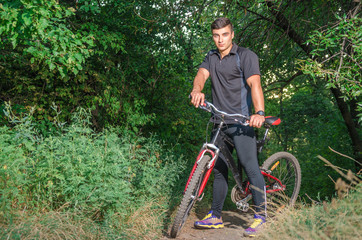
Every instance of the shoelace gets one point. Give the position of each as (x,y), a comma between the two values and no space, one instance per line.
(207,216)
(256,223)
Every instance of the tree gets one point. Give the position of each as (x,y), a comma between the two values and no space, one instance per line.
(330,56)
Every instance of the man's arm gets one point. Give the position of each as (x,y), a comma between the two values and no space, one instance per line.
(199,82)
(257,96)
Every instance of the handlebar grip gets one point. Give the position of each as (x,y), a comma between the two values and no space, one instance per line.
(206,104)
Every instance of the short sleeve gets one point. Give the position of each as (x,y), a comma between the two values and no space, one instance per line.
(206,63)
(250,64)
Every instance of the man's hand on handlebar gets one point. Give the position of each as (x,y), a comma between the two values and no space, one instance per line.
(197,98)
(256,120)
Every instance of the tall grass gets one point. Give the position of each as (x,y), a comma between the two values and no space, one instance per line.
(56,225)
(340,218)
(106,178)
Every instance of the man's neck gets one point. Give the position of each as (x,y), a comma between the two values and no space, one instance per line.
(225,52)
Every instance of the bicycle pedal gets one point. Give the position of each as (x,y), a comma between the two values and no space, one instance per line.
(242,206)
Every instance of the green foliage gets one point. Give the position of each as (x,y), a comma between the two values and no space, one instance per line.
(132,63)
(337,54)
(359,109)
(39,30)
(76,169)
(49,60)
(310,127)
(53,225)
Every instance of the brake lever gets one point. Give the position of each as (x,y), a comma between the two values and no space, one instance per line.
(205,107)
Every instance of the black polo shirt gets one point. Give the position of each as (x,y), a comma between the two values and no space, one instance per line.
(230,92)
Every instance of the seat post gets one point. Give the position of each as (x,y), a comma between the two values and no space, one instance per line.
(262,142)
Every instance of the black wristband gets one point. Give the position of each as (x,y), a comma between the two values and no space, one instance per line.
(261,113)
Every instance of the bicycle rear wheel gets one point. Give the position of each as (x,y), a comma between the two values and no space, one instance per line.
(190,196)
(286,168)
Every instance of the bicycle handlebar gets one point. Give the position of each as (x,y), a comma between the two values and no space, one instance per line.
(209,107)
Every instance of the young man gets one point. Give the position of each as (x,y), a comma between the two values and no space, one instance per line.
(235,77)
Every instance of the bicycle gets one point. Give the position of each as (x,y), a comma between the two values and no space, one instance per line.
(281,171)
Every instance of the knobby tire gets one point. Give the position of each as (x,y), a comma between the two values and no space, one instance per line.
(190,196)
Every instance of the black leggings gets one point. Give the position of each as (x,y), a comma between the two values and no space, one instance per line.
(245,145)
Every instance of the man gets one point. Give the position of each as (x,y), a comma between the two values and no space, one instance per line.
(235,77)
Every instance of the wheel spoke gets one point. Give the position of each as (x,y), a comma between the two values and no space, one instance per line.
(284,167)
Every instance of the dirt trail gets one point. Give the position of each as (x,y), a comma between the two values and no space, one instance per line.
(235,222)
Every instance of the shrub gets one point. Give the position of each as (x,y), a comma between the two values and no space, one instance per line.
(100,175)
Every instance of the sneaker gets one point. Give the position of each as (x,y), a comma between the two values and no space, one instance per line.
(255,227)
(209,221)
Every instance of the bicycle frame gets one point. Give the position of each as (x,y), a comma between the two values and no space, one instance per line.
(217,145)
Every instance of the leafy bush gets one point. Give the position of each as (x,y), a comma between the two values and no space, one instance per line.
(101,175)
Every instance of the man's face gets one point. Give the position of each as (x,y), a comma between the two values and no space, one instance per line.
(223,38)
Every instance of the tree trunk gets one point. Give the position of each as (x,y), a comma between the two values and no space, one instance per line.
(348,119)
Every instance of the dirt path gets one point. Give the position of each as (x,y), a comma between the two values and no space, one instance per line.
(235,222)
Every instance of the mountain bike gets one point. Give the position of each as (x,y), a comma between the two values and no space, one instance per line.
(281,171)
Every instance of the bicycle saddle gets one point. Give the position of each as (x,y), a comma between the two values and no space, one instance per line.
(272,120)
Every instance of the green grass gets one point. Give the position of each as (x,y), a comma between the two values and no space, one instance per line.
(55,225)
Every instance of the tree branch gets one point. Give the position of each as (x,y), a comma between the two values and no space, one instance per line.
(283,23)
(284,83)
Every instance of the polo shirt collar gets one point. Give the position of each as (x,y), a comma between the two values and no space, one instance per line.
(232,51)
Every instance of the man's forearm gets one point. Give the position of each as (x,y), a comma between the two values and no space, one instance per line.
(200,79)
(258,98)
(198,85)
(199,82)
(256,92)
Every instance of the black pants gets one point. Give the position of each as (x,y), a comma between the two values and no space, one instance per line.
(245,146)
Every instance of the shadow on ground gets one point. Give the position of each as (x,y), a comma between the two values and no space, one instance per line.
(234,221)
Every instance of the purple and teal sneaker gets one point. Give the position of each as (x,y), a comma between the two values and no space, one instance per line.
(209,221)
(255,227)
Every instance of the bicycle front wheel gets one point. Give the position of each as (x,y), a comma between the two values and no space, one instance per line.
(285,167)
(190,196)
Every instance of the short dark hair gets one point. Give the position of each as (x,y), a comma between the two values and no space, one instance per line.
(221,23)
